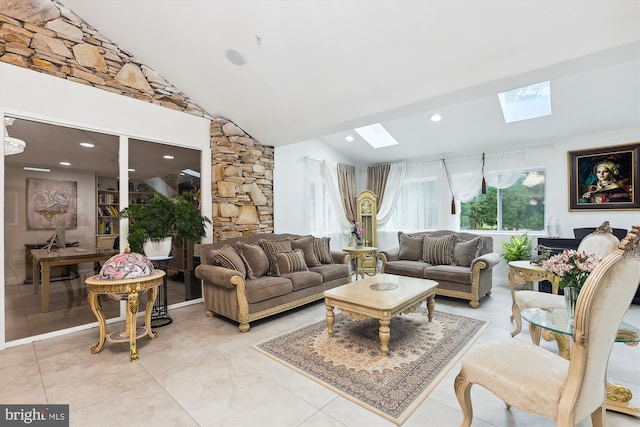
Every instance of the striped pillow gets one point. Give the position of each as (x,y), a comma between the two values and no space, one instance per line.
(438,250)
(288,262)
(270,247)
(322,248)
(228,257)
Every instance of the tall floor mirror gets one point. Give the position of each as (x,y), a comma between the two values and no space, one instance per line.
(73,174)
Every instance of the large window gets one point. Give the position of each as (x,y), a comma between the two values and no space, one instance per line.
(519,207)
(416,208)
(320,209)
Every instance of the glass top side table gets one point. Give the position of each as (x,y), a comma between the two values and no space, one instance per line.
(554,324)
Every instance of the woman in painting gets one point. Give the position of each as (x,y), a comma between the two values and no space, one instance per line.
(608,188)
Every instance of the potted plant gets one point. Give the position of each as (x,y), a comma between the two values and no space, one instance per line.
(517,248)
(162,218)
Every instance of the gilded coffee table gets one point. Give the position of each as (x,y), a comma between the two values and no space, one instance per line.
(380,297)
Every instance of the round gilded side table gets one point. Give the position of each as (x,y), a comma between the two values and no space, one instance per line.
(131,287)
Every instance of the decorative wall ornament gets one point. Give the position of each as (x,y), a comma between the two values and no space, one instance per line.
(50,201)
(604,178)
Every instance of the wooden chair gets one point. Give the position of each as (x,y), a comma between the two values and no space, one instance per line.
(601,242)
(539,382)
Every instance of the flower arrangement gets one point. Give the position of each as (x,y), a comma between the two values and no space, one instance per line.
(572,267)
(357,230)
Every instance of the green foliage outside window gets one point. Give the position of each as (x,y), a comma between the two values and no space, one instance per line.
(521,206)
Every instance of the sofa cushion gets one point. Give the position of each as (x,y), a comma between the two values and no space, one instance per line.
(464,252)
(448,273)
(270,247)
(306,244)
(254,259)
(303,279)
(266,287)
(322,248)
(410,247)
(228,257)
(331,272)
(406,268)
(288,262)
(438,250)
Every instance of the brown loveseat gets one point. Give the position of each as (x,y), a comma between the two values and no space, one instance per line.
(252,277)
(460,262)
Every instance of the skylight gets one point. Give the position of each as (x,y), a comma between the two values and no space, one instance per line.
(527,102)
(376,135)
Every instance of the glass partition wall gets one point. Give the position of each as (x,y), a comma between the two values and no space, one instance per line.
(82,168)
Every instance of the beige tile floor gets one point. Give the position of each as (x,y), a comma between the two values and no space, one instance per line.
(201,371)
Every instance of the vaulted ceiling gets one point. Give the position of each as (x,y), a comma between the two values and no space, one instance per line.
(317,69)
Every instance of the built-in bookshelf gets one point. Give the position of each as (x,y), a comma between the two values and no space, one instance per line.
(108,207)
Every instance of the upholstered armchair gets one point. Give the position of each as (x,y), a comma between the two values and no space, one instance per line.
(601,242)
(550,386)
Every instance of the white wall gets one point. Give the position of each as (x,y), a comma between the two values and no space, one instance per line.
(32,95)
(289,211)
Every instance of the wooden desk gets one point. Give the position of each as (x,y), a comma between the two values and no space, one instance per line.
(43,260)
(131,287)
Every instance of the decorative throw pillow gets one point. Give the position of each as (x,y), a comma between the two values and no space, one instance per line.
(306,244)
(254,259)
(410,247)
(288,262)
(270,247)
(464,252)
(228,257)
(322,248)
(438,250)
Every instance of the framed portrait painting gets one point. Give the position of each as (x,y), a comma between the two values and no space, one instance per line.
(604,178)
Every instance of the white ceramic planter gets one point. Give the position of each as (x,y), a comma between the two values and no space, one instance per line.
(157,249)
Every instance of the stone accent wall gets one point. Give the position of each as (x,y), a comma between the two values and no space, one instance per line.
(46,37)
(242,182)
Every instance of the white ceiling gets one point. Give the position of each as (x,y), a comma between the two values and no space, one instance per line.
(317,69)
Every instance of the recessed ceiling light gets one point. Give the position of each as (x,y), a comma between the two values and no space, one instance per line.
(234,56)
(168,157)
(65,163)
(87,144)
(436,118)
(349,138)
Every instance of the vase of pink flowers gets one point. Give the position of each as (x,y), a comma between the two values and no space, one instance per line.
(357,231)
(572,268)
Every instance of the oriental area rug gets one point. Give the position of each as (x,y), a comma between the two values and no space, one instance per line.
(421,353)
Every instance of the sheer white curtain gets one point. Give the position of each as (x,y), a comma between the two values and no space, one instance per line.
(391,192)
(502,170)
(465,177)
(320,210)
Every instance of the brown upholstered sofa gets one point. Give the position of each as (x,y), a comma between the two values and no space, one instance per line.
(460,262)
(252,277)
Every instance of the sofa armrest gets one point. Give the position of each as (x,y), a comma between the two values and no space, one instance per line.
(391,254)
(218,276)
(340,257)
(489,260)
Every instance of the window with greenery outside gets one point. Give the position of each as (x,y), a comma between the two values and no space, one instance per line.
(519,207)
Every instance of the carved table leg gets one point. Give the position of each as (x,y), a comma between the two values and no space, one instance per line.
(131,323)
(431,304)
(330,320)
(96,307)
(385,333)
(147,313)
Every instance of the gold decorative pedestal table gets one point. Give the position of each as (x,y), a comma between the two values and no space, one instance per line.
(132,289)
(360,254)
(527,272)
(380,297)
(553,324)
